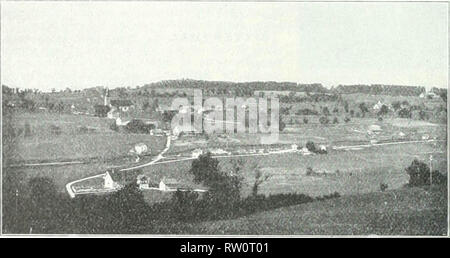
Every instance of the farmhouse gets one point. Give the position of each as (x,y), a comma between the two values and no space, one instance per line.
(116,179)
(196,153)
(219,152)
(143,182)
(305,151)
(374,129)
(122,104)
(322,148)
(168,184)
(430,94)
(378,105)
(109,182)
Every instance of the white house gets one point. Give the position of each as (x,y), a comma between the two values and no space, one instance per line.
(119,122)
(113,113)
(196,153)
(219,152)
(140,148)
(322,148)
(168,184)
(143,182)
(294,146)
(375,129)
(109,182)
(378,105)
(305,151)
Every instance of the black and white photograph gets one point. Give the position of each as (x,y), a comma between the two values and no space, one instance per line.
(224,119)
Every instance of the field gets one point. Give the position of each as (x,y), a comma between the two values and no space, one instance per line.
(407,211)
(360,171)
(99,148)
(74,142)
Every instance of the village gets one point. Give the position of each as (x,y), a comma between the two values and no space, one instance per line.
(189,143)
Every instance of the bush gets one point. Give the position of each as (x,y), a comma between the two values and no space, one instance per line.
(311,146)
(27,130)
(305,120)
(114,126)
(404,113)
(383,187)
(335,120)
(138,126)
(324,120)
(56,130)
(82,129)
(101,110)
(328,196)
(309,171)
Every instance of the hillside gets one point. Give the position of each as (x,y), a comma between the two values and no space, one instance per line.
(407,211)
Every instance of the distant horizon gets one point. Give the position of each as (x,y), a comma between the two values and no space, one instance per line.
(80,45)
(142,85)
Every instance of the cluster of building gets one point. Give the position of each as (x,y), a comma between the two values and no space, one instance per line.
(248,150)
(115,180)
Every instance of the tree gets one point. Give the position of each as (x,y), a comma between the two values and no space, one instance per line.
(309,171)
(443,95)
(305,120)
(311,146)
(129,210)
(404,113)
(281,124)
(335,120)
(60,107)
(101,110)
(324,120)
(383,110)
(346,106)
(27,130)
(114,126)
(259,179)
(325,111)
(362,106)
(419,174)
(56,130)
(396,105)
(224,188)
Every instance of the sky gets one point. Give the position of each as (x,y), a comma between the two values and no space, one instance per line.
(86,44)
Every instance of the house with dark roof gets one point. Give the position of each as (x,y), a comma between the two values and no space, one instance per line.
(116,179)
(122,104)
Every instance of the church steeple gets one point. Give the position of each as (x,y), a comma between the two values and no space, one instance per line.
(106,97)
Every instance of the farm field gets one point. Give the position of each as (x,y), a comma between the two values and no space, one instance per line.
(360,171)
(406,211)
(352,133)
(70,143)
